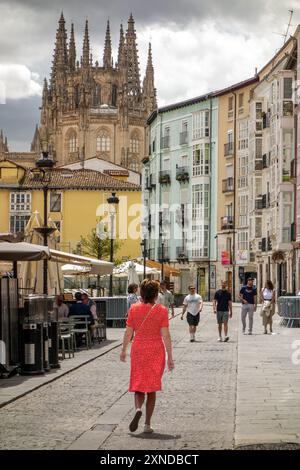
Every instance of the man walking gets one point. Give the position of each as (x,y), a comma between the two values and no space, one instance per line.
(165,297)
(248,296)
(222,306)
(193,304)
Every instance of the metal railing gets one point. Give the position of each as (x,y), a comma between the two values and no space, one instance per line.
(183,138)
(228,148)
(165,142)
(228,185)
(227,222)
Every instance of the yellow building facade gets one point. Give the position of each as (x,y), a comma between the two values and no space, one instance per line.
(76,200)
(233,151)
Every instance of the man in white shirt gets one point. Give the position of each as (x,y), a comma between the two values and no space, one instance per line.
(193,304)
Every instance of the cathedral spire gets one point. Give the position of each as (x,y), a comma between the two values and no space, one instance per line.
(3,143)
(132,62)
(72,50)
(86,47)
(107,58)
(121,58)
(60,59)
(45,92)
(149,91)
(35,144)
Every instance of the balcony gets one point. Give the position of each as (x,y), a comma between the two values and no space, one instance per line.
(266,120)
(182,174)
(228,149)
(228,185)
(258,204)
(165,142)
(181,254)
(164,254)
(227,222)
(183,138)
(265,201)
(258,165)
(150,182)
(164,177)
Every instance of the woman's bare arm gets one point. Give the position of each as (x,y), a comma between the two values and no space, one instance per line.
(126,340)
(168,343)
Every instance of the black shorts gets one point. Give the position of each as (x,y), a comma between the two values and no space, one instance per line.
(193,320)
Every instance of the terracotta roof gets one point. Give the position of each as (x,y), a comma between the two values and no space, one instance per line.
(78,179)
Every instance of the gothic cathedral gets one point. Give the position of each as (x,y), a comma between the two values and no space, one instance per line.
(91,110)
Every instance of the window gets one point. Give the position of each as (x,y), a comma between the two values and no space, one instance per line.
(134,145)
(18,223)
(201,124)
(55,202)
(287,88)
(243,211)
(258,227)
(97,95)
(243,240)
(200,201)
(73,144)
(243,135)
(184,160)
(258,110)
(200,240)
(258,148)
(103,142)
(241,103)
(230,107)
(114,95)
(20,202)
(201,159)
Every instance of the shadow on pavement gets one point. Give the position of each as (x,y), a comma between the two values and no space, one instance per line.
(156,435)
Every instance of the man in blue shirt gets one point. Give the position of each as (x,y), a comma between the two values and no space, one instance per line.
(248,296)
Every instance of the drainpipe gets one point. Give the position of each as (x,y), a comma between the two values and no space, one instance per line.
(234,198)
(210,192)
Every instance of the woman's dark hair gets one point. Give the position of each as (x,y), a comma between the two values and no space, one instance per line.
(78,296)
(269,285)
(131,288)
(149,290)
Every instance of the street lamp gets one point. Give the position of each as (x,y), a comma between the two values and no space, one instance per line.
(113,202)
(41,175)
(144,246)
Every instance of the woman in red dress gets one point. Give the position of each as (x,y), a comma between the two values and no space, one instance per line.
(150,324)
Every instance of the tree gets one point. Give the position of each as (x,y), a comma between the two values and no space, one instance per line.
(99,248)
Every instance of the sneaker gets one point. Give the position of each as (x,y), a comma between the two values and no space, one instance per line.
(250,333)
(244,332)
(220,339)
(226,339)
(192,340)
(148,429)
(135,422)
(265,332)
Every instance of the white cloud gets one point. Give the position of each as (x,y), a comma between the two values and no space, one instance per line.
(202,58)
(17,82)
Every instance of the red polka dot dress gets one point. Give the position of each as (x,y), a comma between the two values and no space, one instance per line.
(148,357)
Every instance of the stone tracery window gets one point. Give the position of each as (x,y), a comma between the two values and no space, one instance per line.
(135,143)
(103,141)
(72,142)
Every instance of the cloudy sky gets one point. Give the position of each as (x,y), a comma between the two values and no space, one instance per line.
(198,46)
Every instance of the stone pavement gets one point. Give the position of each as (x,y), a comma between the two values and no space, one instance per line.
(220,395)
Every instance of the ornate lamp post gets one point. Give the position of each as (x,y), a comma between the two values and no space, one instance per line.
(113,202)
(40,174)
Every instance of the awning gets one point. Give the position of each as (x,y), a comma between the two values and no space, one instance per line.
(168,270)
(23,252)
(96,266)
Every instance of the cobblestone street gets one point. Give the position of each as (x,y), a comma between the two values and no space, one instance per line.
(220,395)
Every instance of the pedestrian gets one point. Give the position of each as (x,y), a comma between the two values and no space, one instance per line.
(267,298)
(222,306)
(150,324)
(93,310)
(132,297)
(248,297)
(81,309)
(62,308)
(166,298)
(193,304)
